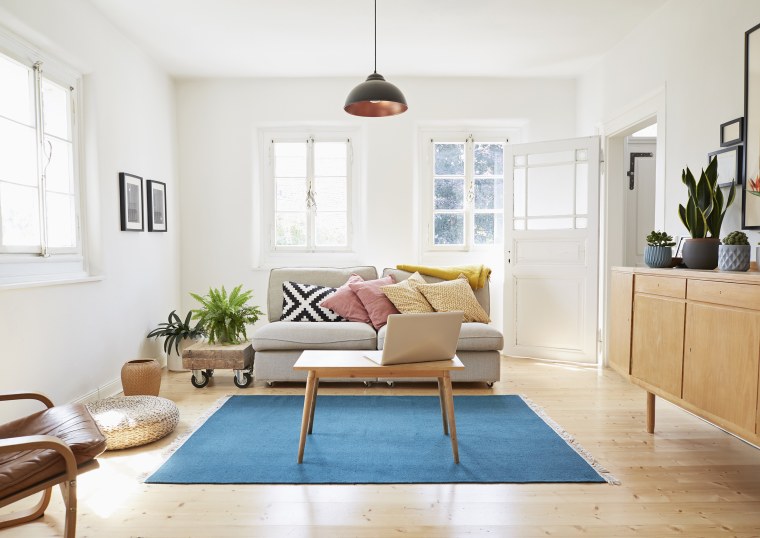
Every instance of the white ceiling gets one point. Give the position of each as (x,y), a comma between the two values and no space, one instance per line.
(301,38)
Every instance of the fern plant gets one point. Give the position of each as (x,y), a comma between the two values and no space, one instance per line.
(224,317)
(704,211)
(174,330)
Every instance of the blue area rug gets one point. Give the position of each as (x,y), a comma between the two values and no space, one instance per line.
(374,440)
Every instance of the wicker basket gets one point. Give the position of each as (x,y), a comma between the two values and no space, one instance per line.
(141,376)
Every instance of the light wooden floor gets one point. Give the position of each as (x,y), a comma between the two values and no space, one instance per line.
(689,479)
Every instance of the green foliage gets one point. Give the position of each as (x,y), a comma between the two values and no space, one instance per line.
(704,211)
(660,239)
(174,330)
(736,238)
(224,317)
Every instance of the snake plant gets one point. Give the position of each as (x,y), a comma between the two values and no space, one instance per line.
(704,211)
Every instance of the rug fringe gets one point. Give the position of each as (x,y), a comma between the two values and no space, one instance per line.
(167,452)
(570,440)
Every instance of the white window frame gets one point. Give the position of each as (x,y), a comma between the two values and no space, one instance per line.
(20,267)
(270,254)
(428,139)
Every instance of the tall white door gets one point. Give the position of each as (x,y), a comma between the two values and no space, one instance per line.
(552,250)
(639,197)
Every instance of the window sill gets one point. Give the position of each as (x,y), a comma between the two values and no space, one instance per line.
(307,259)
(56,280)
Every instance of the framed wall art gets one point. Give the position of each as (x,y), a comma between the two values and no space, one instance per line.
(732,132)
(730,163)
(751,201)
(156,206)
(130,198)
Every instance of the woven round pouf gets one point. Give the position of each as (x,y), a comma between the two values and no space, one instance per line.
(141,376)
(129,421)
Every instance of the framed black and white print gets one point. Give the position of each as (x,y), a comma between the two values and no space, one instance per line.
(730,162)
(732,132)
(156,206)
(751,202)
(131,199)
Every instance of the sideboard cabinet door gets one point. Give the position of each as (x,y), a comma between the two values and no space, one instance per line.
(621,307)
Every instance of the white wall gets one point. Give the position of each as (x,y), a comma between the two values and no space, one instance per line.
(217,123)
(69,340)
(695,50)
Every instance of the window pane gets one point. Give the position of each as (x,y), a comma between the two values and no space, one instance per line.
(551,158)
(488,228)
(331,229)
(550,190)
(16,91)
(449,229)
(55,109)
(449,159)
(519,224)
(519,192)
(290,229)
(18,153)
(489,193)
(581,188)
(290,159)
(330,193)
(61,220)
(290,195)
(520,161)
(449,193)
(489,159)
(581,223)
(59,172)
(19,207)
(330,158)
(550,224)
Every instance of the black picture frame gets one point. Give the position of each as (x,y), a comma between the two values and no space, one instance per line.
(131,202)
(730,164)
(751,203)
(732,132)
(156,205)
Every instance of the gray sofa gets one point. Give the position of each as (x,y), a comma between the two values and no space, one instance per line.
(278,344)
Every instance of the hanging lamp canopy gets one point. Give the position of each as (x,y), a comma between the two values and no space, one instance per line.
(375,97)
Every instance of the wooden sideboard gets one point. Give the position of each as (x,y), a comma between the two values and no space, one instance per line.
(693,338)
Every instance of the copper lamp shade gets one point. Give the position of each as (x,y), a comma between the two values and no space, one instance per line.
(375,97)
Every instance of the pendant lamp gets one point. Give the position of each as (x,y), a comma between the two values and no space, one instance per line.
(375,97)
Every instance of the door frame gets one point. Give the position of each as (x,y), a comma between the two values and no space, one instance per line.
(648,110)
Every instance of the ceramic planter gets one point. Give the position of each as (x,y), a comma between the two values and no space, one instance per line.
(701,253)
(658,256)
(174,359)
(734,257)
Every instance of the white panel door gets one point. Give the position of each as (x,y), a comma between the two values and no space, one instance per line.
(552,250)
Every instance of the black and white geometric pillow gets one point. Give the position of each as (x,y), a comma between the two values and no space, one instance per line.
(300,302)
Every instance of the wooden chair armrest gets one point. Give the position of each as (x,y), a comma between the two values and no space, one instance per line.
(7,396)
(41,442)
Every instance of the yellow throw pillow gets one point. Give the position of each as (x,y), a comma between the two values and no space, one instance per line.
(405,296)
(454,295)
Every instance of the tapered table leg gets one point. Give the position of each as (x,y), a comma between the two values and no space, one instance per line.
(306,412)
(650,412)
(450,413)
(442,400)
(313,403)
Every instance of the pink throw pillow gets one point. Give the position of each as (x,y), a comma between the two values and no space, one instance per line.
(346,303)
(378,306)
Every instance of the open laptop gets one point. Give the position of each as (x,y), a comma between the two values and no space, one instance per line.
(419,338)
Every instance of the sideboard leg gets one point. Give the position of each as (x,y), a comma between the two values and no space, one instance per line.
(650,412)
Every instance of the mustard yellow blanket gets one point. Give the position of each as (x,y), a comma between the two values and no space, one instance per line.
(476,274)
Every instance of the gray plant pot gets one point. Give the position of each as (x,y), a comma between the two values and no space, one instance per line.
(701,253)
(658,256)
(734,257)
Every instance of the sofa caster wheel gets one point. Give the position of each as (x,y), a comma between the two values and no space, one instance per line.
(391,384)
(489,384)
(270,383)
(368,384)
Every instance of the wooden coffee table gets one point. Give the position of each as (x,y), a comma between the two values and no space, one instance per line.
(353,364)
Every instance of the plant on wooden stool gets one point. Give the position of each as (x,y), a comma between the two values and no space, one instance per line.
(224,317)
(174,330)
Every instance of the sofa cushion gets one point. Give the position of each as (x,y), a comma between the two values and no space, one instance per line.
(472,337)
(280,335)
(346,303)
(374,300)
(406,297)
(454,295)
(483,295)
(300,302)
(324,276)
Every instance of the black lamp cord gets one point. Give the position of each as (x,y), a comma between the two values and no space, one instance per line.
(375,36)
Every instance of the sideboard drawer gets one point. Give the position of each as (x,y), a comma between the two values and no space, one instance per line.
(660,285)
(724,293)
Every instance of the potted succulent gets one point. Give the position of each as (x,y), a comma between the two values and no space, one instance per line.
(177,334)
(703,214)
(224,317)
(658,252)
(734,253)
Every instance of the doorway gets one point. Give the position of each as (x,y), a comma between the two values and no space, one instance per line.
(639,192)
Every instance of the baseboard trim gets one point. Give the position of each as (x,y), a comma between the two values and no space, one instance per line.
(112,388)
